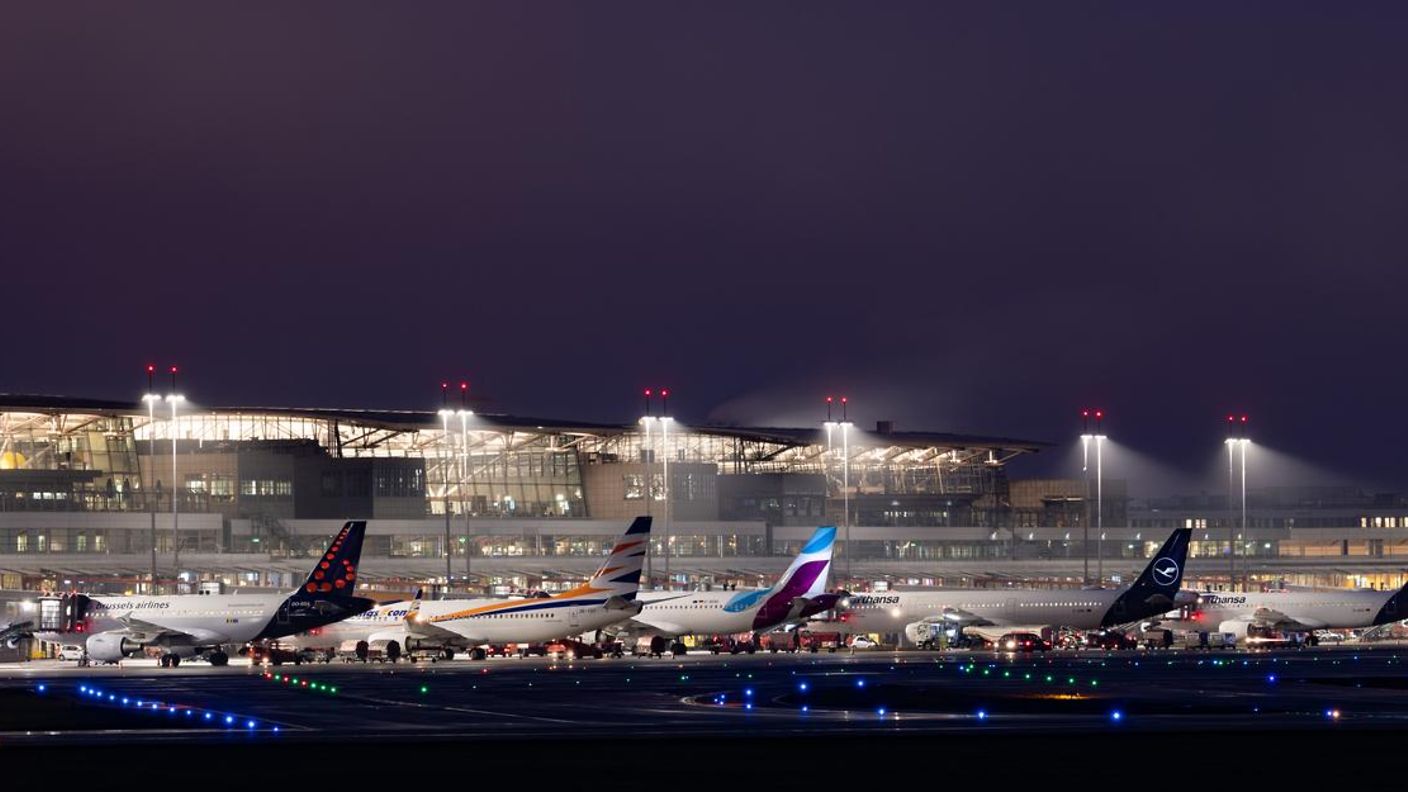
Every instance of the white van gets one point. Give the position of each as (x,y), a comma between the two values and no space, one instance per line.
(70,652)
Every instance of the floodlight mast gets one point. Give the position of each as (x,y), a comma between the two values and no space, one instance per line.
(1236,439)
(1097,438)
(151,397)
(846,479)
(445,453)
(470,541)
(175,398)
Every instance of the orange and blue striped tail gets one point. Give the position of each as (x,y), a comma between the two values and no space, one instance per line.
(619,575)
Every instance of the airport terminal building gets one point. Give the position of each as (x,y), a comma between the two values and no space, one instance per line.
(111,495)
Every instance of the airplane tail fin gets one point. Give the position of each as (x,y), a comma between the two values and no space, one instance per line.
(1164,574)
(336,572)
(619,574)
(1155,591)
(806,576)
(1395,608)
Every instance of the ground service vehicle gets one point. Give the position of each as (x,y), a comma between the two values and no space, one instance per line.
(1021,642)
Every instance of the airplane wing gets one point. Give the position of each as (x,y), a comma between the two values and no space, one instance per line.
(147,632)
(959,617)
(1270,617)
(15,631)
(662,625)
(429,630)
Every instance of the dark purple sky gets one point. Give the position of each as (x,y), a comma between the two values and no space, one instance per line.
(970,217)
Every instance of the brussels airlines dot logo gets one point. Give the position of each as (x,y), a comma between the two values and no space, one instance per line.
(1165,571)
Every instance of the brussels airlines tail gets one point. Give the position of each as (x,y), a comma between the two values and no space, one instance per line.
(336,573)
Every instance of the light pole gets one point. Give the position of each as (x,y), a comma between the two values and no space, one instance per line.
(445,453)
(175,399)
(646,450)
(151,397)
(830,426)
(846,480)
(1236,439)
(1098,440)
(464,413)
(665,421)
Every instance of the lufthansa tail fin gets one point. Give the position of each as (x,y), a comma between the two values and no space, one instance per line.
(1156,589)
(336,572)
(1164,574)
(619,574)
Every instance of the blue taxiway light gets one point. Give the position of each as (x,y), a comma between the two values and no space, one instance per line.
(43,688)
(802,687)
(229,719)
(1116,716)
(249,724)
(748,691)
(208,716)
(1270,677)
(860,683)
(982,715)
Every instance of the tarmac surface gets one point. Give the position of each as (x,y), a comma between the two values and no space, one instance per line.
(897,704)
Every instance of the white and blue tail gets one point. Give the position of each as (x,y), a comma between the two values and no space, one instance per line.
(807,575)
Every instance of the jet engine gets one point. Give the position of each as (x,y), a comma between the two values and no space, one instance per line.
(1237,628)
(109,647)
(413,644)
(922,633)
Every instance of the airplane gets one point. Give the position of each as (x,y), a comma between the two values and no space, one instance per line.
(798,594)
(11,634)
(988,611)
(1294,611)
(609,596)
(186,625)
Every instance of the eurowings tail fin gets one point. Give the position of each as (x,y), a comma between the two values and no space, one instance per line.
(806,576)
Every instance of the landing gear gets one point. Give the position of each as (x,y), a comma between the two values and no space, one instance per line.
(477,653)
(393,651)
(169,661)
(447,653)
(218,659)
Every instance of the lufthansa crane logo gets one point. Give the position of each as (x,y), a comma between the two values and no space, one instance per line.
(1165,571)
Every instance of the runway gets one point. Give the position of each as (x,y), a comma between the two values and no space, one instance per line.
(703,696)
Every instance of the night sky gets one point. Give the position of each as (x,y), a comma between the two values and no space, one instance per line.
(970,217)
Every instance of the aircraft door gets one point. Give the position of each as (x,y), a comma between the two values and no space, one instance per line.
(574,617)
